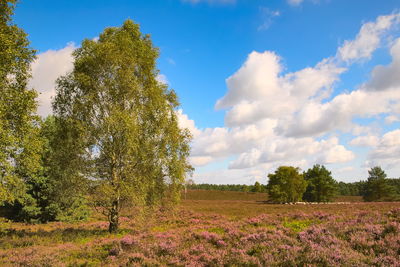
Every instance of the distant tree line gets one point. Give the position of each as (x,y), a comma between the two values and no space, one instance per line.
(358,188)
(289,184)
(257,187)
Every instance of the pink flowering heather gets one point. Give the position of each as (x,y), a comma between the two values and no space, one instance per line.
(316,235)
(127,240)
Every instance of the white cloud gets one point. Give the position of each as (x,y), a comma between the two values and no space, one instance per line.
(280,151)
(162,78)
(345,169)
(257,90)
(46,69)
(258,77)
(367,140)
(186,123)
(320,118)
(387,152)
(200,161)
(337,154)
(267,16)
(391,119)
(368,39)
(227,177)
(247,159)
(391,139)
(387,77)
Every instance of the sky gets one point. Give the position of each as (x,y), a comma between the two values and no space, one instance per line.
(261,83)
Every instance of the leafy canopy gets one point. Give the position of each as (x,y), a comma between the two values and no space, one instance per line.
(287,184)
(121,128)
(19,125)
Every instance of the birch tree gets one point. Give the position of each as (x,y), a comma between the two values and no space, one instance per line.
(126,137)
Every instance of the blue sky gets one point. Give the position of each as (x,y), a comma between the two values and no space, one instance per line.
(204,42)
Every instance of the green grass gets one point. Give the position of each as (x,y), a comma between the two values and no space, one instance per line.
(298,225)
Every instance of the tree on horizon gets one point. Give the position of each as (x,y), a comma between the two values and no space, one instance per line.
(377,187)
(321,187)
(287,184)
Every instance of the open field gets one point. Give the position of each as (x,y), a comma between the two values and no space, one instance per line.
(228,228)
(242,196)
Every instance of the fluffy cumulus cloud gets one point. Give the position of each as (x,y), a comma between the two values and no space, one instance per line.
(275,118)
(336,154)
(387,77)
(297,150)
(258,90)
(366,140)
(387,152)
(47,67)
(368,39)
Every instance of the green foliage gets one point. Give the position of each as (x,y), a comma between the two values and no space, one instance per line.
(65,193)
(227,187)
(77,211)
(217,230)
(321,187)
(257,187)
(19,145)
(46,197)
(395,183)
(377,187)
(287,184)
(119,124)
(298,225)
(351,189)
(20,142)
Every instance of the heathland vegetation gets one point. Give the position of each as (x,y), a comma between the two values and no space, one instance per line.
(217,228)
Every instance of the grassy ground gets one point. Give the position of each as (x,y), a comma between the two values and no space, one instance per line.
(223,195)
(241,204)
(213,228)
(245,196)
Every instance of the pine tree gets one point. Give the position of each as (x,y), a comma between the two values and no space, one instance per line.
(321,186)
(377,188)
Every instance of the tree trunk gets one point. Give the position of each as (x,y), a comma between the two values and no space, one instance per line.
(114,217)
(114,212)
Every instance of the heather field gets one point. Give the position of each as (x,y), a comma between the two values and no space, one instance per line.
(212,228)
